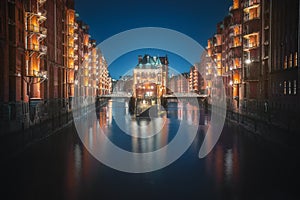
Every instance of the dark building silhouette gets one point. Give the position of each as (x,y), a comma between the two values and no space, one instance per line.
(284,66)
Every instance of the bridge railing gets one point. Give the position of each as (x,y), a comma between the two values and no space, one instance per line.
(185,95)
(117,95)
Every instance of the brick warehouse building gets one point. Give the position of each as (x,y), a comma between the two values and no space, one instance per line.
(259,42)
(43,48)
(196,82)
(283,65)
(179,83)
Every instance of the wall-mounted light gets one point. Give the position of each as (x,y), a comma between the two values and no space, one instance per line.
(248,61)
(42,75)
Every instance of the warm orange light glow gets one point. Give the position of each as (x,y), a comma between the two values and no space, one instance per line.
(86,40)
(235,91)
(237,30)
(86,81)
(236,4)
(209,44)
(219,72)
(71,41)
(237,62)
(209,52)
(296,59)
(253,13)
(219,39)
(236,78)
(70,17)
(237,42)
(71,30)
(86,72)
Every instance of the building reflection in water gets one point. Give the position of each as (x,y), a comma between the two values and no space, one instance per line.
(238,167)
(222,164)
(228,165)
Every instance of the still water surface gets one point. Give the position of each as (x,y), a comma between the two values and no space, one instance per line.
(240,166)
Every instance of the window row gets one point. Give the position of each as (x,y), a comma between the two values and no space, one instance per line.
(145,74)
(291,61)
(285,88)
(290,87)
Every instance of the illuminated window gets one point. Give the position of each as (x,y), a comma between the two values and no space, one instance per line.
(290,87)
(252,14)
(295,86)
(236,4)
(291,60)
(285,62)
(296,59)
(219,40)
(284,87)
(236,42)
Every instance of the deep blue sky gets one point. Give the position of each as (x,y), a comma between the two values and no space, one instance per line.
(126,62)
(195,18)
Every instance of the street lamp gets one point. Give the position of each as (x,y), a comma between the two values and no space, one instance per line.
(41,76)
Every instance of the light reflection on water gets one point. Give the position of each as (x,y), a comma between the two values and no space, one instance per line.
(144,134)
(237,168)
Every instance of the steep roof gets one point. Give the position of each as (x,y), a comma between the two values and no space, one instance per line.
(151,62)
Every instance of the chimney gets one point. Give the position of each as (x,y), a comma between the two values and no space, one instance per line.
(140,58)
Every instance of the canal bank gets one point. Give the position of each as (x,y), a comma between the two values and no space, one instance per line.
(265,129)
(46,122)
(13,143)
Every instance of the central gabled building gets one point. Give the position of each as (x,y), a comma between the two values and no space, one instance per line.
(150,77)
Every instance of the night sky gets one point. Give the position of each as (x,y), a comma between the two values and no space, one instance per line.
(195,18)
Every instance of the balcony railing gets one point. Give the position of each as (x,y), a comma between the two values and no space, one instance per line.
(42,34)
(33,28)
(43,30)
(42,15)
(43,49)
(250,17)
(250,3)
(251,45)
(38,48)
(71,66)
(75,36)
(33,47)
(70,45)
(41,2)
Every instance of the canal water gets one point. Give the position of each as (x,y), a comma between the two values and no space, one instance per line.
(240,166)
